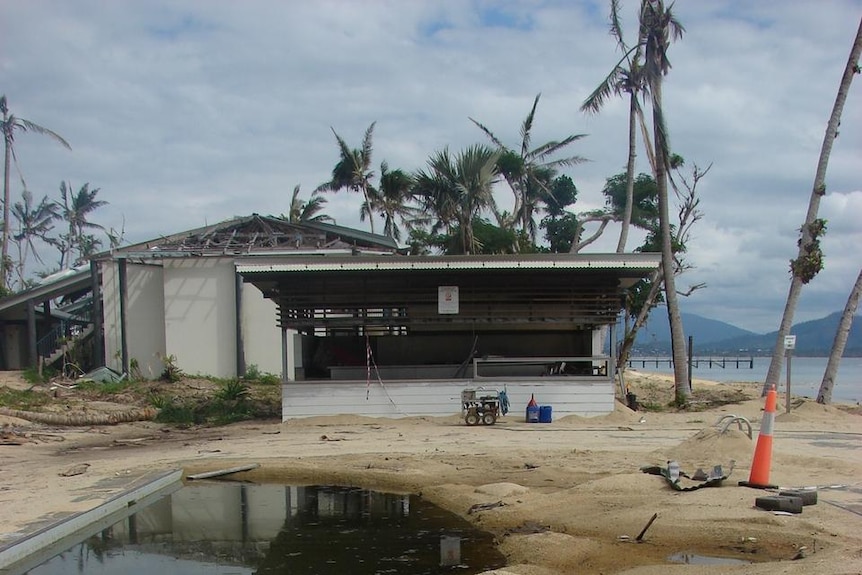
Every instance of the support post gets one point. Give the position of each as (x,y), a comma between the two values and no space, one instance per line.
(691,358)
(124,347)
(32,355)
(240,351)
(98,335)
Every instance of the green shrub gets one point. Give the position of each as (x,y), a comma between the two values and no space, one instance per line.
(269,379)
(172,373)
(233,390)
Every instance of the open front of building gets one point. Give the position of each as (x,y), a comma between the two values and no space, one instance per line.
(392,336)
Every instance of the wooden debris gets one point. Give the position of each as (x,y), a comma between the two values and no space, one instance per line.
(221,472)
(644,530)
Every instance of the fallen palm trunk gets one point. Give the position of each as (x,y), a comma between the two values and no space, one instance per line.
(83,418)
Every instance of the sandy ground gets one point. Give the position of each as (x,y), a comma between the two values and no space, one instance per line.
(572,494)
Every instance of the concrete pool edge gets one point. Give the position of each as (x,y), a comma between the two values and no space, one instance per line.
(21,555)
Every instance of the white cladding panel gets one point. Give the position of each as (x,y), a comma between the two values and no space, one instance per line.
(442,398)
(200,315)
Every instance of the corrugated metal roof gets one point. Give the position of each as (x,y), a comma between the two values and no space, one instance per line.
(418,263)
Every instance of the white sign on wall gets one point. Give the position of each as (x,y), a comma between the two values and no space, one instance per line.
(447,300)
(789,342)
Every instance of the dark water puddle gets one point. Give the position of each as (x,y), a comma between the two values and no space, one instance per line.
(237,529)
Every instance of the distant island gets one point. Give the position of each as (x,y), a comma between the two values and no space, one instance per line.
(712,337)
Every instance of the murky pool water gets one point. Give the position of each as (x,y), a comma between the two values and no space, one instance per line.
(228,528)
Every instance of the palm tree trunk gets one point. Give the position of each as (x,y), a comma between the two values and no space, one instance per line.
(841,335)
(630,174)
(813,206)
(632,334)
(677,336)
(4,271)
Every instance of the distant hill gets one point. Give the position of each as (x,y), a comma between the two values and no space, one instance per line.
(813,338)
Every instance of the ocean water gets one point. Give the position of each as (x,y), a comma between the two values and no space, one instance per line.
(806,373)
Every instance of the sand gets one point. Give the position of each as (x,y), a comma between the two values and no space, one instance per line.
(573,494)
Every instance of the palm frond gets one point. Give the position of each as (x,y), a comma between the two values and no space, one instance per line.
(616,28)
(553,147)
(28,126)
(496,141)
(367,145)
(610,85)
(527,126)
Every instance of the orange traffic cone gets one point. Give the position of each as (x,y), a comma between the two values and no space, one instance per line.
(759,476)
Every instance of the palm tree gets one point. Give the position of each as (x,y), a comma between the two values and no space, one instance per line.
(621,80)
(657,26)
(309,211)
(395,197)
(824,395)
(74,210)
(530,172)
(808,261)
(10,125)
(34,222)
(353,173)
(456,190)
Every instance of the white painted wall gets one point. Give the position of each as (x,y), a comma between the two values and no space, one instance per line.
(260,332)
(586,397)
(200,315)
(145,325)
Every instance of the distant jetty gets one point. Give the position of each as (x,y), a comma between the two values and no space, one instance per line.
(719,362)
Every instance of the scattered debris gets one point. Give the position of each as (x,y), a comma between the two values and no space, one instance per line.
(327,438)
(527,528)
(783,503)
(673,474)
(484,507)
(75,470)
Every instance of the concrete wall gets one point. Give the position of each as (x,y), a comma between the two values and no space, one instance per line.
(200,315)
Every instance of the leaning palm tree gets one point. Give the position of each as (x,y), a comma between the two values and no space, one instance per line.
(824,395)
(808,260)
(530,170)
(626,77)
(457,190)
(74,210)
(657,26)
(302,211)
(353,173)
(34,222)
(9,126)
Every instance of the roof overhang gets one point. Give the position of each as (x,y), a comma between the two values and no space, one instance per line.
(62,283)
(563,290)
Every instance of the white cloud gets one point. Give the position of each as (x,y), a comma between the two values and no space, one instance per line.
(191,112)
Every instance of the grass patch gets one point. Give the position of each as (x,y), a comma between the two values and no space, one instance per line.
(104,388)
(23,399)
(213,411)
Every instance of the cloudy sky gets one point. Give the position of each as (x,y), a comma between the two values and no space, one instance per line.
(189,113)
